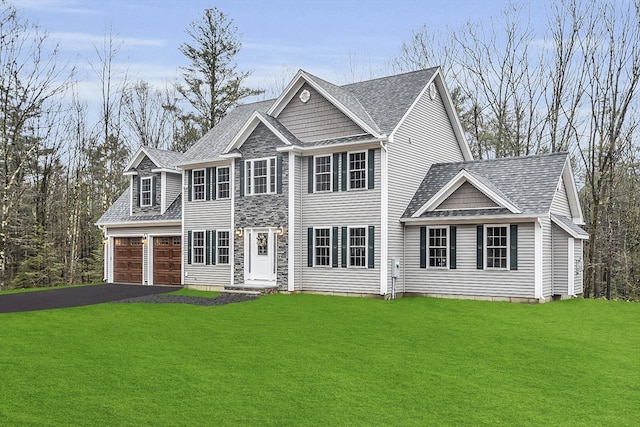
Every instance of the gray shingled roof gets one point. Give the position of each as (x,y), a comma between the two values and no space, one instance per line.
(213,143)
(164,158)
(387,99)
(346,98)
(118,213)
(381,103)
(529,182)
(568,223)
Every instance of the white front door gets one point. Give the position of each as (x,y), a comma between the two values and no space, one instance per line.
(260,255)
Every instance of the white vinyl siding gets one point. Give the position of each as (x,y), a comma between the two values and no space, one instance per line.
(579,262)
(560,258)
(339,209)
(466,279)
(560,202)
(547,258)
(207,215)
(425,137)
(173,187)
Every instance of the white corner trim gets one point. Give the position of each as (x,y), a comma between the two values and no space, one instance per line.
(455,183)
(163,192)
(291,267)
(384,218)
(572,193)
(538,259)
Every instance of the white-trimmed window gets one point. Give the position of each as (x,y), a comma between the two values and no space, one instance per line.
(222,247)
(322,173)
(437,242)
(198,184)
(146,191)
(261,176)
(357,170)
(357,246)
(223,183)
(497,246)
(198,247)
(322,247)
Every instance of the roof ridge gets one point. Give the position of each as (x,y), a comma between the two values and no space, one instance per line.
(390,76)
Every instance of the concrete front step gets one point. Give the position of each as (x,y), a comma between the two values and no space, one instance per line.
(240,292)
(250,290)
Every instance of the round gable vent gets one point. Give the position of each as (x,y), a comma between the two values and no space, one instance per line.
(304,96)
(432,91)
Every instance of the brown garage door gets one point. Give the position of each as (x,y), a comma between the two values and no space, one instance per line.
(167,260)
(127,265)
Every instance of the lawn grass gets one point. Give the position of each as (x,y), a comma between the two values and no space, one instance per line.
(320,360)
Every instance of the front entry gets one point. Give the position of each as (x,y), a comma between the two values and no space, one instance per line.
(260,256)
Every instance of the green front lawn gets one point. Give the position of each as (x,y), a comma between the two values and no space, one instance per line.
(319,360)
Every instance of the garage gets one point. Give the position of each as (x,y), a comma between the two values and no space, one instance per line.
(127,263)
(167,260)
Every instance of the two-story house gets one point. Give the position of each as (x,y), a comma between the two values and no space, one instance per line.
(363,189)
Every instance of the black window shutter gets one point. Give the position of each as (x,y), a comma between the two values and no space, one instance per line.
(344,247)
(343,169)
(371,169)
(452,247)
(138,192)
(423,247)
(513,261)
(334,247)
(371,248)
(189,183)
(310,175)
(189,247)
(154,193)
(213,247)
(310,247)
(207,259)
(479,247)
(241,178)
(336,171)
(214,180)
(208,186)
(279,174)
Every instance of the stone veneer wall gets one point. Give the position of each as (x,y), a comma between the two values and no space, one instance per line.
(144,171)
(263,210)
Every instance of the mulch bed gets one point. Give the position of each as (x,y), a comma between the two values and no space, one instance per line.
(222,299)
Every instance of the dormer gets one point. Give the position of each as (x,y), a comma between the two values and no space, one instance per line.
(154,181)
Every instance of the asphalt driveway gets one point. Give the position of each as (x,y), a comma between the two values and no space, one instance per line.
(76,296)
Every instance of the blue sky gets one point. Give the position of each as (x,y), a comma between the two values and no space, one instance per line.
(340,41)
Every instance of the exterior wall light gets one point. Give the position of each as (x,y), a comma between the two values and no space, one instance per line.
(238,232)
